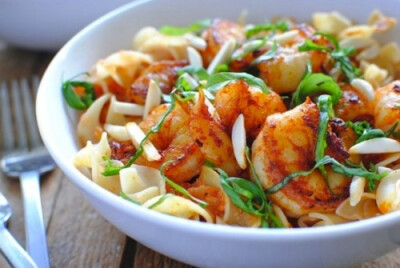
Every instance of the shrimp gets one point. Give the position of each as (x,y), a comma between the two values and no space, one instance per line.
(211,136)
(217,34)
(353,106)
(163,72)
(286,144)
(284,72)
(240,98)
(174,142)
(387,106)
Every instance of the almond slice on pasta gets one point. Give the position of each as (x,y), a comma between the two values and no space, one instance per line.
(239,141)
(113,117)
(137,136)
(195,58)
(356,190)
(119,133)
(153,98)
(332,22)
(127,108)
(391,158)
(222,56)
(195,41)
(363,87)
(376,146)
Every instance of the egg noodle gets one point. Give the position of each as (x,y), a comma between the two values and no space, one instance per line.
(280,124)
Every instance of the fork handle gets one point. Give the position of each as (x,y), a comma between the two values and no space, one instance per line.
(34,227)
(14,253)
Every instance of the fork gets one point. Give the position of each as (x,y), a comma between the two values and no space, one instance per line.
(15,254)
(24,156)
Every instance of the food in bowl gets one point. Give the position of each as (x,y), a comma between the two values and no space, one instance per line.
(272,125)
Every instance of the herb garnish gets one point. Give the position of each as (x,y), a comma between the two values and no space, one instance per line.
(78,100)
(314,83)
(219,80)
(179,188)
(268,55)
(160,200)
(365,131)
(340,55)
(280,25)
(113,170)
(195,27)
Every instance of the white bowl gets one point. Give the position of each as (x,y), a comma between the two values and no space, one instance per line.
(191,242)
(48,24)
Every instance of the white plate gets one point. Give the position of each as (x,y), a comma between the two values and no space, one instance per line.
(198,243)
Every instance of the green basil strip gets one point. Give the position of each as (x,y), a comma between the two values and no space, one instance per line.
(392,131)
(110,170)
(364,131)
(200,73)
(325,113)
(177,31)
(268,55)
(126,197)
(220,80)
(74,100)
(310,45)
(252,169)
(313,84)
(330,37)
(179,188)
(249,50)
(161,200)
(341,57)
(336,167)
(280,25)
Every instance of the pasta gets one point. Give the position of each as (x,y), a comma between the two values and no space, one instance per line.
(273,125)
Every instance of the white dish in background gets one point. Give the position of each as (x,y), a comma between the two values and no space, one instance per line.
(46,24)
(198,243)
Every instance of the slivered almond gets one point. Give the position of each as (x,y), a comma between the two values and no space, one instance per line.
(356,189)
(285,37)
(117,132)
(191,81)
(239,141)
(137,136)
(376,146)
(222,56)
(194,57)
(153,98)
(196,41)
(364,88)
(127,108)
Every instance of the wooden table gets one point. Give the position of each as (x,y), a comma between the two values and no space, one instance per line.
(77,235)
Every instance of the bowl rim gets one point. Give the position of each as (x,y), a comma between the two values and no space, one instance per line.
(91,188)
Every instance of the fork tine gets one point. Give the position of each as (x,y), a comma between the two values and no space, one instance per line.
(19,116)
(6,122)
(33,131)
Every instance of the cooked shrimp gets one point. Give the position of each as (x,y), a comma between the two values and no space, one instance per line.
(353,106)
(387,106)
(217,34)
(286,144)
(284,72)
(163,72)
(174,142)
(240,98)
(211,136)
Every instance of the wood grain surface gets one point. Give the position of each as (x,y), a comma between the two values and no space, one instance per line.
(77,235)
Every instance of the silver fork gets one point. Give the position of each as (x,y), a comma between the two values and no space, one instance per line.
(24,156)
(14,253)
